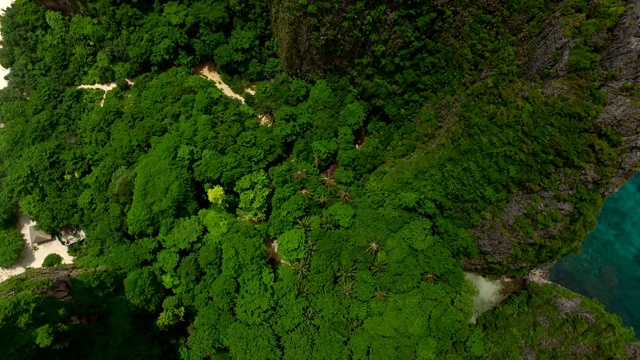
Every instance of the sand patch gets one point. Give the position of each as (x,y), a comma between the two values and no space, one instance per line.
(265,119)
(207,70)
(272,251)
(540,276)
(489,296)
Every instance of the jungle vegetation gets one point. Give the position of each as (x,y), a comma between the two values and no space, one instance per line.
(383,154)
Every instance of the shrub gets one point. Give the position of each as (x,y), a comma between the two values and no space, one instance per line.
(291,244)
(52,260)
(143,289)
(11,245)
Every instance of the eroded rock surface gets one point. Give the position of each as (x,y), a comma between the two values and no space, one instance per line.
(497,237)
(67,7)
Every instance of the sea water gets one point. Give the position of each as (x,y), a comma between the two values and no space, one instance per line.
(608,268)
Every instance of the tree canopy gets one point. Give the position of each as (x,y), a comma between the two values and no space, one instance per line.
(377,144)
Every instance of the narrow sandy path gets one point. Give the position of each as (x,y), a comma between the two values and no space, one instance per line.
(103,87)
(31,258)
(207,70)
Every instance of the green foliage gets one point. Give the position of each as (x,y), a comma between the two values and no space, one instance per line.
(291,245)
(11,246)
(44,336)
(253,192)
(185,234)
(97,324)
(216,195)
(52,260)
(163,191)
(547,313)
(412,130)
(143,289)
(583,62)
(172,312)
(342,214)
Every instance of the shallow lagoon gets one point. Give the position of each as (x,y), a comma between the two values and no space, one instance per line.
(608,268)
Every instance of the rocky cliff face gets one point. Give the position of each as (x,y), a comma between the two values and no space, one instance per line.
(310,43)
(620,58)
(59,286)
(61,282)
(67,7)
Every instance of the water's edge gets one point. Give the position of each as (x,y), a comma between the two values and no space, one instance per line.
(608,268)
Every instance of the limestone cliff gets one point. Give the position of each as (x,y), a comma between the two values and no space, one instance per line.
(620,60)
(322,43)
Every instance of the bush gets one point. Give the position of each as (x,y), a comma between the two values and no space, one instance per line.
(52,260)
(583,61)
(11,245)
(123,84)
(291,244)
(143,289)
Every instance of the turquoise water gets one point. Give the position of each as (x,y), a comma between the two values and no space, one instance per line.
(608,268)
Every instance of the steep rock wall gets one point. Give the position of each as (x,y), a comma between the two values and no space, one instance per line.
(620,58)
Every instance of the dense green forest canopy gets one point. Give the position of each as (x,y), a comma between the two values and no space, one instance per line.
(390,146)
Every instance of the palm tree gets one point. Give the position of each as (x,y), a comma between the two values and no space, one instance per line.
(304,224)
(348,287)
(309,314)
(380,294)
(373,247)
(379,266)
(354,324)
(306,193)
(345,196)
(329,223)
(300,268)
(428,277)
(329,182)
(323,201)
(303,289)
(346,272)
(299,174)
(309,248)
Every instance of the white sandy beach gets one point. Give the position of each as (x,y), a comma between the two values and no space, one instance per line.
(31,258)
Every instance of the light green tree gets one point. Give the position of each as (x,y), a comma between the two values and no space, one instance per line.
(291,244)
(216,195)
(253,192)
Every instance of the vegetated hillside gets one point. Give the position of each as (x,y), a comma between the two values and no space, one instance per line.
(531,104)
(527,325)
(451,135)
(66,313)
